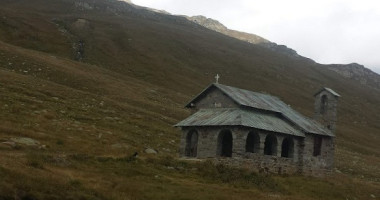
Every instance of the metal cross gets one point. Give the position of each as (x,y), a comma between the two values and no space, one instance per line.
(217,78)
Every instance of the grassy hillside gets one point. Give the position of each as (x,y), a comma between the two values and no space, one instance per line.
(138,70)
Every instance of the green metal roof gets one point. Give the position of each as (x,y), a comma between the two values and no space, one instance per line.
(239,117)
(270,103)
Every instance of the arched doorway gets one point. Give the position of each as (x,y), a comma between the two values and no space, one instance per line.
(287,148)
(252,144)
(270,147)
(191,144)
(224,148)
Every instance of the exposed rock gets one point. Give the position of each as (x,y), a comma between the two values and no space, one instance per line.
(25,141)
(127,1)
(373,196)
(79,50)
(150,151)
(108,118)
(208,23)
(248,37)
(219,27)
(358,73)
(83,6)
(81,24)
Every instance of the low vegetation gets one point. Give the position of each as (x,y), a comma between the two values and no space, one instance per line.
(139,69)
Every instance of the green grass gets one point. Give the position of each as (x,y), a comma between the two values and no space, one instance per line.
(138,72)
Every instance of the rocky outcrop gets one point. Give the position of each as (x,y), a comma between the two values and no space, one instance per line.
(18,142)
(358,73)
(219,27)
(248,37)
(208,23)
(127,1)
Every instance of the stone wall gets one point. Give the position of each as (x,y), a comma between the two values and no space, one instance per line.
(208,145)
(321,164)
(262,164)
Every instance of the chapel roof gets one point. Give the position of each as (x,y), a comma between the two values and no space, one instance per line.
(258,101)
(240,117)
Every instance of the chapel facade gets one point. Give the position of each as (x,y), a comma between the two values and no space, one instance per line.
(259,131)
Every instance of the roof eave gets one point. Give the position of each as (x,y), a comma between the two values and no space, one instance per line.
(241,126)
(328,90)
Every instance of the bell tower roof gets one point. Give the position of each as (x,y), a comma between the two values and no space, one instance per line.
(328,90)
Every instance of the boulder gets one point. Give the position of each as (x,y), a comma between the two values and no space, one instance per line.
(150,151)
(25,141)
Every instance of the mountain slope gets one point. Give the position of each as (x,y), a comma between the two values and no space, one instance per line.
(248,37)
(138,68)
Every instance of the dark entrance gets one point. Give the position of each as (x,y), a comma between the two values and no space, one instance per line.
(317,145)
(270,147)
(191,144)
(225,144)
(252,144)
(287,148)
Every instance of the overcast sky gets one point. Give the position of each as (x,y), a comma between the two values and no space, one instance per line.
(327,31)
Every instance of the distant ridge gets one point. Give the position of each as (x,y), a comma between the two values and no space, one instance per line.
(358,73)
(353,71)
(248,37)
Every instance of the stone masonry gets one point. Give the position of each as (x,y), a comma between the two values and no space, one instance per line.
(243,141)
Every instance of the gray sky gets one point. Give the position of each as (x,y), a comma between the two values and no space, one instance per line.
(327,31)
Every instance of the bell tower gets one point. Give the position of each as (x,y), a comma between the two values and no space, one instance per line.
(325,106)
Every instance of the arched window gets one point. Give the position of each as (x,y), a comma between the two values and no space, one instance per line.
(287,148)
(324,104)
(252,144)
(191,149)
(224,148)
(270,147)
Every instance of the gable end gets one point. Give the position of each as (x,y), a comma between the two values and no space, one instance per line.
(212,97)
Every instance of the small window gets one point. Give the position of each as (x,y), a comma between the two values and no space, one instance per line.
(317,145)
(324,104)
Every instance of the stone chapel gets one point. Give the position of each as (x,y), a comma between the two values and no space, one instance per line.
(259,131)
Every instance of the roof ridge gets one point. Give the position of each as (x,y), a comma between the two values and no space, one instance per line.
(259,93)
